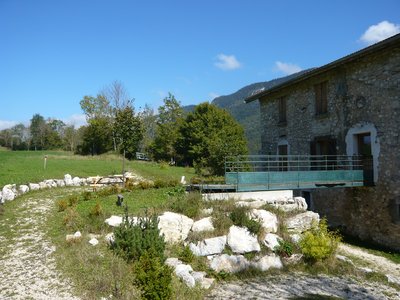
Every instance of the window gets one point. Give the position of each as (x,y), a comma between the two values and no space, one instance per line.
(282,110)
(321,98)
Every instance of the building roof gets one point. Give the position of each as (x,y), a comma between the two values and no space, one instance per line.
(387,43)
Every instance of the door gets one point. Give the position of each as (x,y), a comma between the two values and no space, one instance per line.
(283,161)
(365,151)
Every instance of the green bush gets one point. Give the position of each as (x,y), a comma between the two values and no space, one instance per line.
(284,249)
(96,210)
(86,195)
(152,277)
(186,255)
(318,243)
(239,217)
(72,220)
(132,240)
(73,200)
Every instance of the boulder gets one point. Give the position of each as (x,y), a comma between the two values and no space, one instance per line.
(201,279)
(209,246)
(203,225)
(109,238)
(293,259)
(93,241)
(207,211)
(23,189)
(34,186)
(173,262)
(68,180)
(302,222)
(268,220)
(271,240)
(8,193)
(183,272)
(301,203)
(73,237)
(42,185)
(267,262)
(50,183)
(76,181)
(175,227)
(252,204)
(229,263)
(240,240)
(114,221)
(295,238)
(60,182)
(1,197)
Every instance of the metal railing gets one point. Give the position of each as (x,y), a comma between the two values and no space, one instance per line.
(281,163)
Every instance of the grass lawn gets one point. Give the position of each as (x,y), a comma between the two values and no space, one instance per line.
(21,167)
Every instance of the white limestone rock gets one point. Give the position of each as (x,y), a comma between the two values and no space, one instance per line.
(301,203)
(240,240)
(302,222)
(42,185)
(60,182)
(295,238)
(175,227)
(78,234)
(93,241)
(109,238)
(183,272)
(201,279)
(73,237)
(173,262)
(68,180)
(8,193)
(50,183)
(34,186)
(229,263)
(1,197)
(267,262)
(76,181)
(392,279)
(268,220)
(271,240)
(203,225)
(114,221)
(209,246)
(252,204)
(23,189)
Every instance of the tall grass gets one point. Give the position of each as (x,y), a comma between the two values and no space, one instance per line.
(21,167)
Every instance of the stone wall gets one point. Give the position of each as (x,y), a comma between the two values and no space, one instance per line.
(362,92)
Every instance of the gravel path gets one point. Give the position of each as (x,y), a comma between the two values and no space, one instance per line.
(27,268)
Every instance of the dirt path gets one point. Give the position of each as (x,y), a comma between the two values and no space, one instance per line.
(375,262)
(27,267)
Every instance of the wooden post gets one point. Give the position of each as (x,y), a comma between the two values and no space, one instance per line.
(123,170)
(45,162)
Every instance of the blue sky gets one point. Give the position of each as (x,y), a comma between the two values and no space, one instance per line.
(52,53)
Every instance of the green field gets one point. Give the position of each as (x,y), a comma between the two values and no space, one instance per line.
(21,167)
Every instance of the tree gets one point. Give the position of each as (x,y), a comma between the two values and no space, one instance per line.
(170,116)
(116,94)
(38,130)
(207,136)
(128,130)
(95,108)
(148,119)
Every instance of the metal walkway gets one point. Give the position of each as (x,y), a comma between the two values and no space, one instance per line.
(280,172)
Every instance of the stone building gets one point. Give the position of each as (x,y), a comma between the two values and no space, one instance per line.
(348,107)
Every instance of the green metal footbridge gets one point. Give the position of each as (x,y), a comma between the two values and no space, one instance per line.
(290,172)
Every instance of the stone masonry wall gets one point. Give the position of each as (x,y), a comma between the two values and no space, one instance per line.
(365,91)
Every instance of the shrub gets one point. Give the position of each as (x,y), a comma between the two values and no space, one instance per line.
(152,277)
(72,220)
(318,243)
(2,210)
(186,255)
(132,240)
(145,184)
(86,196)
(284,249)
(96,210)
(62,205)
(239,217)
(189,205)
(73,200)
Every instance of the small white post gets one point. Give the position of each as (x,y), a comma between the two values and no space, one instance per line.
(45,162)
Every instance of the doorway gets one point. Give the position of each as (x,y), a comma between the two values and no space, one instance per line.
(364,150)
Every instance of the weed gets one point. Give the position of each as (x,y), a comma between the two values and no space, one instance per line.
(284,249)
(62,205)
(73,200)
(240,217)
(145,184)
(96,210)
(86,195)
(186,255)
(72,220)
(189,205)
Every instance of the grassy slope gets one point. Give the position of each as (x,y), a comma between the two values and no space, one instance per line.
(21,167)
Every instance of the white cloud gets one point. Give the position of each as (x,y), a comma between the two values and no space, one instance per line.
(227,62)
(287,68)
(77,120)
(213,96)
(7,124)
(379,32)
